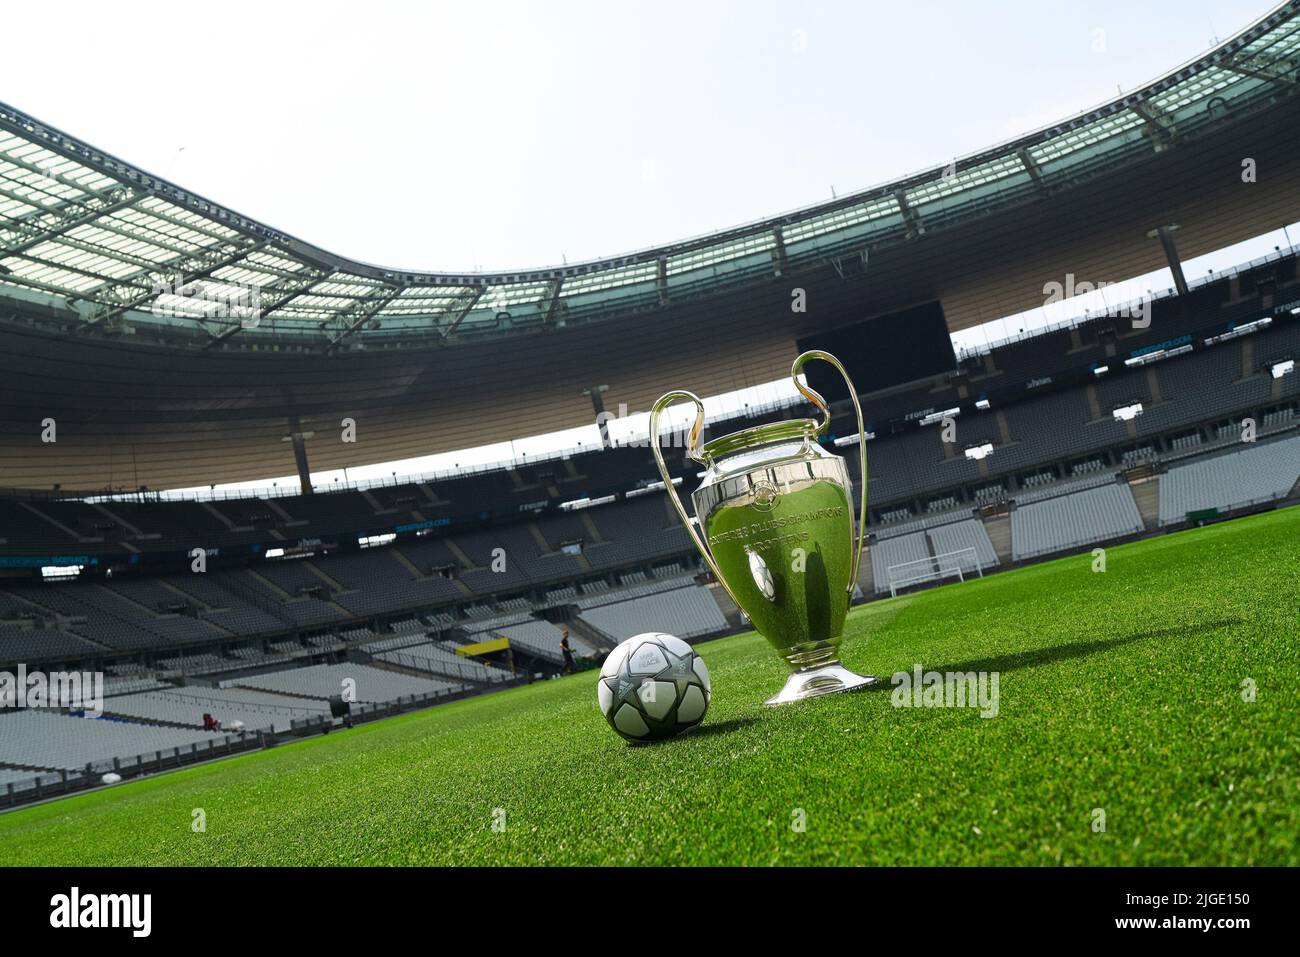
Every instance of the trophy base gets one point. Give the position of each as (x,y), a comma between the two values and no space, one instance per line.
(814,682)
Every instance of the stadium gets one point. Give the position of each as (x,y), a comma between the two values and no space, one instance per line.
(1096,509)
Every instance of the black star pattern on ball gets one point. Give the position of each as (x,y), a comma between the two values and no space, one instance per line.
(679,671)
(623,683)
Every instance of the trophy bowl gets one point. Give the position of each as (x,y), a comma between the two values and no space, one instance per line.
(775,526)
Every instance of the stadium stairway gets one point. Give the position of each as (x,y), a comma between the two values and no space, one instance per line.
(1146,493)
(215,513)
(406,563)
(188,599)
(430,494)
(590,527)
(245,591)
(543,546)
(456,550)
(998,529)
(107,595)
(269,585)
(589,633)
(732,613)
(284,516)
(1094,406)
(59,525)
(125,718)
(110,598)
(334,585)
(121,522)
(865,580)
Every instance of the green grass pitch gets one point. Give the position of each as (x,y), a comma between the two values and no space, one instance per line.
(1120,690)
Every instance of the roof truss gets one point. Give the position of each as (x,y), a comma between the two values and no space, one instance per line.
(79,224)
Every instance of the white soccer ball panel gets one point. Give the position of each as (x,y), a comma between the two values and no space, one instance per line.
(674,644)
(692,707)
(658,698)
(615,660)
(647,659)
(629,722)
(604,695)
(702,672)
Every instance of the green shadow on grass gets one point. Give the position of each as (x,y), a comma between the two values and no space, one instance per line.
(699,731)
(1080,649)
(721,727)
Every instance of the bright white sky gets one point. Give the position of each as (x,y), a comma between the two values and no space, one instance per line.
(502,134)
(498,134)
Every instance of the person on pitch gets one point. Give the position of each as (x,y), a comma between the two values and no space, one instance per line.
(567,652)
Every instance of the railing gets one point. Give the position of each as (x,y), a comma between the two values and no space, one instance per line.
(1079,320)
(213,703)
(593,635)
(1232,442)
(46,784)
(256,598)
(429,666)
(291,489)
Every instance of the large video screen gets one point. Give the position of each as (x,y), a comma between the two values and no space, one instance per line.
(883,351)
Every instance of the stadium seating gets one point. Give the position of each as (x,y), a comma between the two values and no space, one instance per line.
(1244,477)
(1074,520)
(437,659)
(687,612)
(1088,478)
(641,530)
(537,637)
(321,682)
(930,549)
(960,536)
(47,740)
(37,644)
(186,706)
(633,587)
(898,550)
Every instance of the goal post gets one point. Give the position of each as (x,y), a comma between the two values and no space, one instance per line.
(948,565)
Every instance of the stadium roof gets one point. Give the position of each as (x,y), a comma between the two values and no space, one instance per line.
(112,244)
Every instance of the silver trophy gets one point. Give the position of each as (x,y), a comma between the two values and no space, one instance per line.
(775,525)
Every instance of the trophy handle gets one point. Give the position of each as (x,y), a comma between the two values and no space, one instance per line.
(693,450)
(812,396)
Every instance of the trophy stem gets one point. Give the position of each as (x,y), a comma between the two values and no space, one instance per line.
(830,678)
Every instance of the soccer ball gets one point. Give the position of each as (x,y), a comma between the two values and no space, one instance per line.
(653,686)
